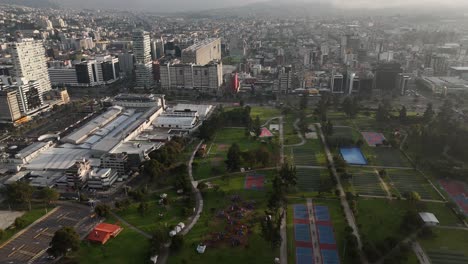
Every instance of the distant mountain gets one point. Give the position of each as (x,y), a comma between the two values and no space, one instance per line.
(31,3)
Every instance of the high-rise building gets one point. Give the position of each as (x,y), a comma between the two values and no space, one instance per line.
(285,80)
(29,64)
(207,77)
(142,52)
(9,106)
(203,52)
(127,62)
(386,76)
(142,46)
(402,83)
(337,83)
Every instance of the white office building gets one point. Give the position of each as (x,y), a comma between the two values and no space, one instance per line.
(142,53)
(29,63)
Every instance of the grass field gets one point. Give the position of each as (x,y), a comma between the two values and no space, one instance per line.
(447,247)
(264,113)
(366,182)
(336,214)
(379,218)
(411,180)
(213,164)
(127,247)
(257,251)
(172,213)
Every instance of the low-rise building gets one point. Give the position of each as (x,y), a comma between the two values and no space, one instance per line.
(117,162)
(101,178)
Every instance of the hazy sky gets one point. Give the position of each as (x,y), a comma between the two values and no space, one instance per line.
(195,5)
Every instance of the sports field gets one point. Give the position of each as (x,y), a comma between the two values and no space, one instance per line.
(389,157)
(410,180)
(366,182)
(447,246)
(308,180)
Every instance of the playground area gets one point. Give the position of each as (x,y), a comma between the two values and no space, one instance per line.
(238,221)
(447,246)
(373,138)
(353,156)
(254,181)
(458,191)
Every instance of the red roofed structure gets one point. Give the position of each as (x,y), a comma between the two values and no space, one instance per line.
(265,133)
(103,232)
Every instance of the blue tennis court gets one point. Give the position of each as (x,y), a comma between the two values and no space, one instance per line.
(302,232)
(353,156)
(300,211)
(330,256)
(304,255)
(322,214)
(326,235)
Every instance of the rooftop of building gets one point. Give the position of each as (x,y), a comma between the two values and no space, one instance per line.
(200,44)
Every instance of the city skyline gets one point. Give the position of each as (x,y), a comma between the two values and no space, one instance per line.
(203,5)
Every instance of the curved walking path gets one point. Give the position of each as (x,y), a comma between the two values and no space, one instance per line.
(198,196)
(299,135)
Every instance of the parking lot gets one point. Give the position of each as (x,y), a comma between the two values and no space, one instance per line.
(32,243)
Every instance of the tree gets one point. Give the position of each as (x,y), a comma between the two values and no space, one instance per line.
(49,195)
(303,102)
(288,175)
(102,210)
(2,233)
(256,126)
(19,193)
(159,238)
(64,240)
(143,208)
(429,113)
(263,156)
(403,113)
(328,127)
(271,227)
(233,157)
(382,114)
(412,196)
(177,242)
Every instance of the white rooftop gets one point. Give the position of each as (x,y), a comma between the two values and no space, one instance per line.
(57,159)
(428,217)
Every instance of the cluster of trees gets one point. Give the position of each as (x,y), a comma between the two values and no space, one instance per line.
(350,106)
(163,158)
(64,241)
(271,224)
(20,194)
(239,117)
(235,157)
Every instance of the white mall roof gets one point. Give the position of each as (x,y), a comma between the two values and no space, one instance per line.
(428,217)
(57,159)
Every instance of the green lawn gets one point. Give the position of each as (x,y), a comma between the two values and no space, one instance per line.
(213,164)
(29,217)
(447,240)
(380,218)
(411,180)
(172,214)
(290,134)
(264,113)
(257,250)
(127,247)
